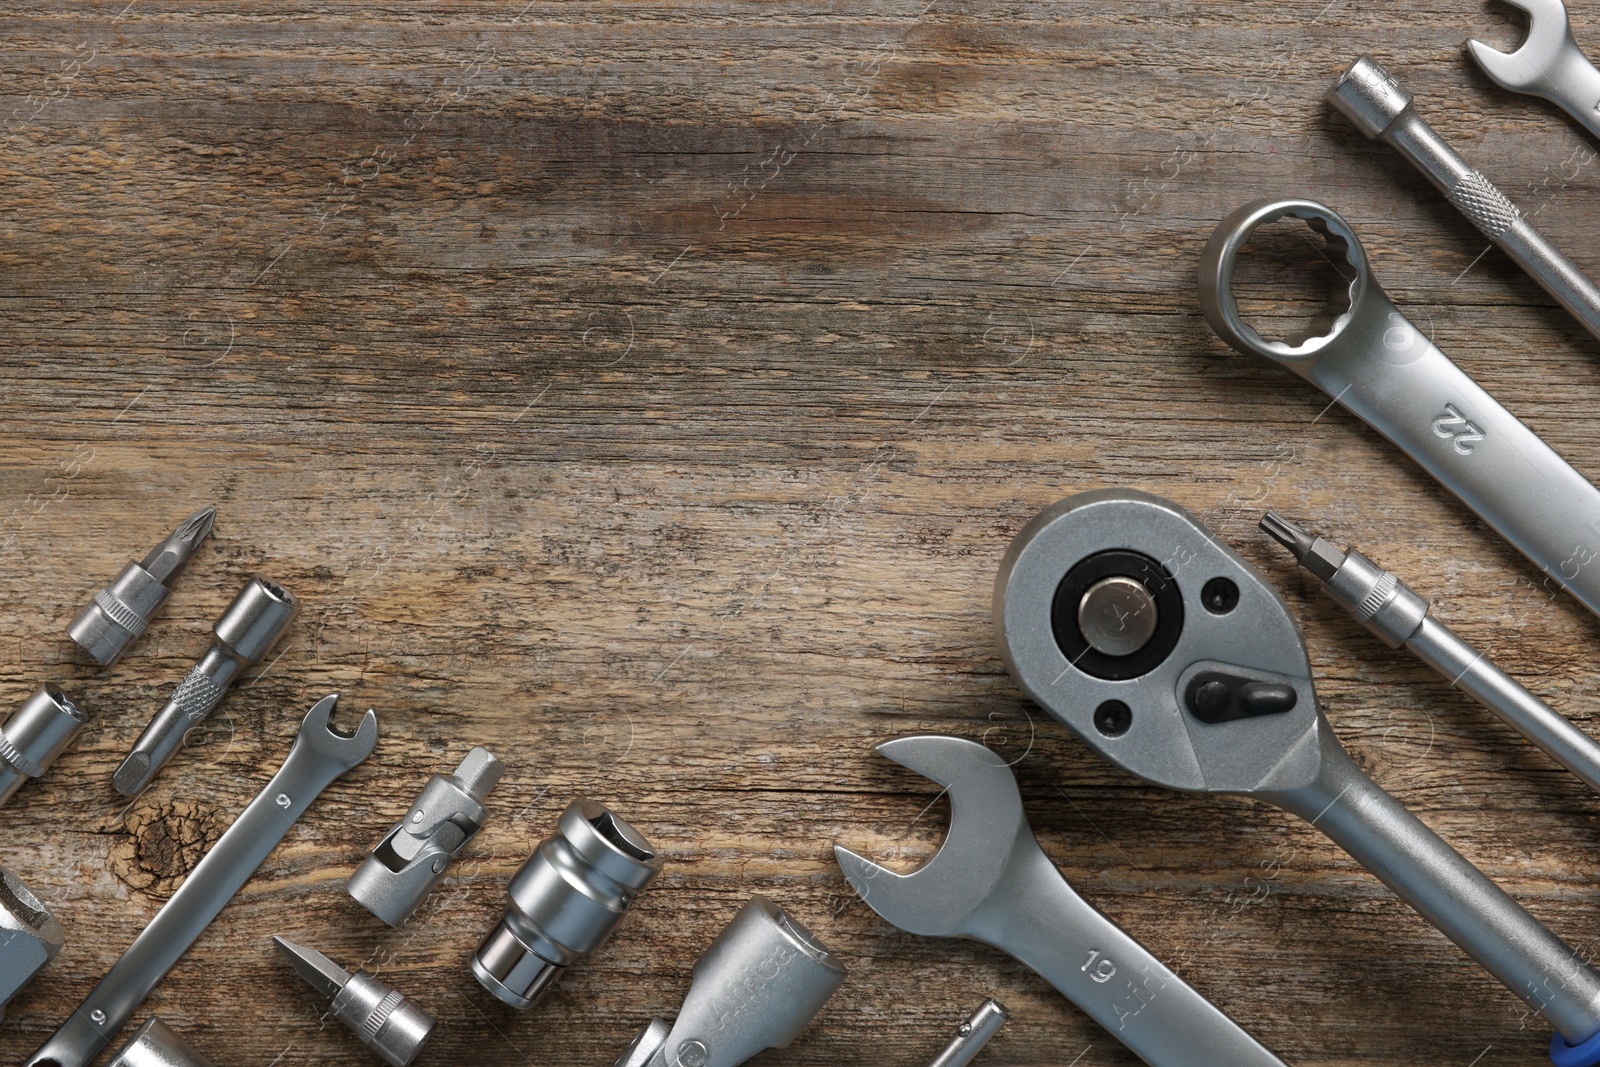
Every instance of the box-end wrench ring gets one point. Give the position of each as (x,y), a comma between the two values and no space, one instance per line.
(1372,360)
(319,756)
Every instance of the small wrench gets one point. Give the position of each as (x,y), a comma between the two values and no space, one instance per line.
(319,755)
(990,881)
(1377,364)
(1218,698)
(1549,63)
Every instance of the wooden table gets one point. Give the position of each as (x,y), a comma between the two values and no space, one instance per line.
(649,394)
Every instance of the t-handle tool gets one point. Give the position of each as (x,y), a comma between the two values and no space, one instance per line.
(319,755)
(1219,699)
(991,882)
(1373,99)
(972,1035)
(1548,64)
(1364,354)
(1398,616)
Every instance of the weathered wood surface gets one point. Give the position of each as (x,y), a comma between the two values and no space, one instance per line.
(649,392)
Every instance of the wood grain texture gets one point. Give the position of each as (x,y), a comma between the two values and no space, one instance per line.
(649,392)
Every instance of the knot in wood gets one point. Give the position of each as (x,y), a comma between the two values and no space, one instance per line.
(163,844)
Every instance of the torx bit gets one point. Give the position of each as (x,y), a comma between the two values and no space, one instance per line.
(386,1022)
(972,1035)
(245,633)
(122,611)
(1398,615)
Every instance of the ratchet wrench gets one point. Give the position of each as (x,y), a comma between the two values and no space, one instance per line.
(319,756)
(1199,680)
(990,881)
(1548,64)
(1372,360)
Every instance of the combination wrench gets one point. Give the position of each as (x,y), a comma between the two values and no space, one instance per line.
(1126,619)
(1548,64)
(1372,360)
(991,882)
(319,755)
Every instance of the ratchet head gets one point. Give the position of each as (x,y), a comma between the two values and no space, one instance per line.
(1213,695)
(345,750)
(1538,63)
(1221,256)
(986,824)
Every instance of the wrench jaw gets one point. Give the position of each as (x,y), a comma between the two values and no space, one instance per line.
(1541,56)
(1164,732)
(319,734)
(987,825)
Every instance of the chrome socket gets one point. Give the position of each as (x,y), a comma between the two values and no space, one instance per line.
(564,902)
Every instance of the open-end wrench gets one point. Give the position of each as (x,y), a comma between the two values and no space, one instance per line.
(319,756)
(1368,357)
(1127,620)
(990,881)
(1549,63)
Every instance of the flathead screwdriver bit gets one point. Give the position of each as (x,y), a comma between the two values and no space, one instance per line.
(245,633)
(386,1022)
(122,611)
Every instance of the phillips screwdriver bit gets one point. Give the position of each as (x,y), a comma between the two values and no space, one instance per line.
(245,633)
(121,611)
(386,1022)
(1398,616)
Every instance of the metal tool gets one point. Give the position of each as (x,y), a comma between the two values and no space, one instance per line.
(991,882)
(1398,616)
(35,735)
(1221,700)
(319,755)
(245,633)
(972,1035)
(1374,101)
(1548,64)
(564,903)
(757,987)
(411,859)
(155,1044)
(391,1025)
(30,937)
(1381,367)
(122,611)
